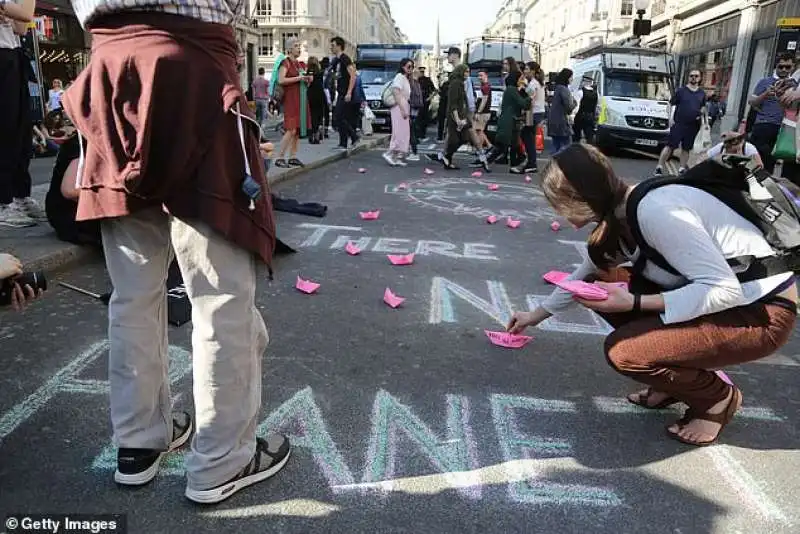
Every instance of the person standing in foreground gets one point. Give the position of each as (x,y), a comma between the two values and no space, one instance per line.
(155,193)
(689,106)
(344,112)
(17,208)
(671,331)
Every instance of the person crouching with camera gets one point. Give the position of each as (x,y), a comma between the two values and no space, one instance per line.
(12,291)
(672,332)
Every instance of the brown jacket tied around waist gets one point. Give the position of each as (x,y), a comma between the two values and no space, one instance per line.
(154,105)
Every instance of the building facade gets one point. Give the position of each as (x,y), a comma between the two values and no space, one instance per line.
(316,22)
(562,27)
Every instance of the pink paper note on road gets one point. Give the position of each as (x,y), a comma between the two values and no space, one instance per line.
(493,187)
(555,276)
(352,249)
(391,299)
(477,174)
(491,219)
(402,186)
(362,170)
(509,341)
(428,171)
(511,223)
(306,286)
(555,226)
(370,215)
(583,289)
(528,179)
(408,259)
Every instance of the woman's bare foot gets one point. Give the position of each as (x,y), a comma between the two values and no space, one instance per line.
(702,431)
(651,399)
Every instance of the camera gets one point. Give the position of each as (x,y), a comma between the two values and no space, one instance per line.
(35,279)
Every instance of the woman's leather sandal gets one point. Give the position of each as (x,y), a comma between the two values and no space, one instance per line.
(721,418)
(642,398)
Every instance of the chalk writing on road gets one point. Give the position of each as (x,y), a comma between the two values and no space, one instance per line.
(337,237)
(399,436)
(470,196)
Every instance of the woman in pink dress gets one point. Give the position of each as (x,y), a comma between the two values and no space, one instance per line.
(401,111)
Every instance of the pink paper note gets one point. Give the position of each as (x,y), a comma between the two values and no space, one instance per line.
(428,171)
(362,170)
(583,289)
(528,179)
(724,376)
(352,249)
(555,276)
(509,341)
(477,174)
(511,223)
(493,187)
(370,215)
(491,219)
(306,286)
(408,259)
(555,226)
(391,299)
(402,186)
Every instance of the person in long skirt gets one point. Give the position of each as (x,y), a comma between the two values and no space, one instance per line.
(401,111)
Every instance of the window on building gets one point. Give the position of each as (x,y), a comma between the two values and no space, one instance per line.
(289,7)
(263,8)
(267,45)
(627,8)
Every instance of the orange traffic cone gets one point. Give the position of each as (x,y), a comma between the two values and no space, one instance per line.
(539,139)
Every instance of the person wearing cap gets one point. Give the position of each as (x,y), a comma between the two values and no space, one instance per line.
(734,143)
(585,117)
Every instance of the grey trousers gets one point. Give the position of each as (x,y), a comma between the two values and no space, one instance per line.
(229,338)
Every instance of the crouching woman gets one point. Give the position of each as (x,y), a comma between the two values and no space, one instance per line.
(672,332)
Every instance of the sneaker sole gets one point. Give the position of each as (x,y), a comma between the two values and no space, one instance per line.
(217,495)
(143,477)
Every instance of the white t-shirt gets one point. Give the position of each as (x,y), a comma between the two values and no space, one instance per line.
(709,232)
(401,82)
(54,100)
(8,39)
(537,91)
(749,150)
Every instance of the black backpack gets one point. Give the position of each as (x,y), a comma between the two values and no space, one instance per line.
(770,203)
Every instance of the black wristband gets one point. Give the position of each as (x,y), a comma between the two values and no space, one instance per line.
(637,303)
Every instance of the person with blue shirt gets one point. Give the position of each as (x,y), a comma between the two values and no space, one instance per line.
(769,111)
(689,106)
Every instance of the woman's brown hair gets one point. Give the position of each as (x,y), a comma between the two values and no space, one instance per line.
(313,65)
(579,181)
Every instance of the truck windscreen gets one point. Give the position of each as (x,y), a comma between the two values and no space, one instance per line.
(646,85)
(495,78)
(377,75)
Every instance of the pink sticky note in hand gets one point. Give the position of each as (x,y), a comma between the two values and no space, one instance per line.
(428,171)
(352,249)
(306,286)
(491,219)
(528,179)
(477,174)
(511,223)
(493,187)
(583,289)
(509,341)
(391,299)
(408,259)
(362,170)
(555,277)
(555,226)
(370,215)
(724,376)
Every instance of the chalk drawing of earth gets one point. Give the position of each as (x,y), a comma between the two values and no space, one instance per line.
(471,196)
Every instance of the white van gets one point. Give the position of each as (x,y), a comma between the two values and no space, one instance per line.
(634,87)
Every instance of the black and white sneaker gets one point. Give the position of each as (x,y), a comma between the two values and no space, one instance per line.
(271,455)
(136,467)
(436,158)
(658,172)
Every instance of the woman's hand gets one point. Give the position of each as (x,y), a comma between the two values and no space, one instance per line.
(9,266)
(520,321)
(20,298)
(619,300)
(266,149)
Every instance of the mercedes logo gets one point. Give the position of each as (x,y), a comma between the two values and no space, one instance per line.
(649,123)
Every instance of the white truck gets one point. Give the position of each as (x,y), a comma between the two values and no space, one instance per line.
(634,88)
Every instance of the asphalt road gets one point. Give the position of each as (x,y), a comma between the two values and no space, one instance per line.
(408,420)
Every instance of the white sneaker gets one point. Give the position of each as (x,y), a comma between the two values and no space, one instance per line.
(389,159)
(413,157)
(31,208)
(11,215)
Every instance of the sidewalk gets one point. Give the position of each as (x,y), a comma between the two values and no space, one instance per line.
(39,249)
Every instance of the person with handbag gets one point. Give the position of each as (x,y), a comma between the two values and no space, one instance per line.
(512,107)
(400,102)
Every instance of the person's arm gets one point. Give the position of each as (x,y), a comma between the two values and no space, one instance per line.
(712,287)
(20,28)
(762,91)
(21,11)
(68,189)
(283,80)
(351,69)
